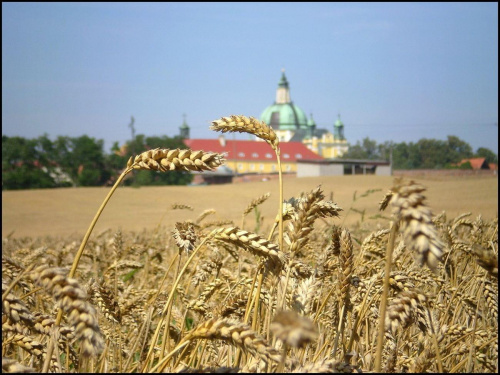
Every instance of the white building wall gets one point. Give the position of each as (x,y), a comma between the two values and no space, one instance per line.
(314,170)
(383,170)
(308,170)
(332,170)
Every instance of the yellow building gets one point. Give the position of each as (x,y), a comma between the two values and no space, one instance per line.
(254,157)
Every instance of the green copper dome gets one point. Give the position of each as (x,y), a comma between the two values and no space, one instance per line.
(338,122)
(285,116)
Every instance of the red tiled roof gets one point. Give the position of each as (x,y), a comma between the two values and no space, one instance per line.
(493,166)
(476,163)
(253,150)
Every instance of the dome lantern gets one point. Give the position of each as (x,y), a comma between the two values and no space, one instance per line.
(283,91)
(283,114)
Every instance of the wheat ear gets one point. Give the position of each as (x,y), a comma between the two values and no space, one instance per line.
(416,222)
(238,334)
(251,242)
(73,301)
(243,124)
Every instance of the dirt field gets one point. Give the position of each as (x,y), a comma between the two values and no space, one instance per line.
(62,212)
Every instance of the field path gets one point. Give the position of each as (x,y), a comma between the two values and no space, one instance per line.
(63,212)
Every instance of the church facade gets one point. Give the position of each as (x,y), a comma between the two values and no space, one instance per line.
(291,124)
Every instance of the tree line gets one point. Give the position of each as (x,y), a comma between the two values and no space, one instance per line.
(424,154)
(81,161)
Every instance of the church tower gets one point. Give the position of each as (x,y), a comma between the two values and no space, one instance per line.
(184,129)
(338,130)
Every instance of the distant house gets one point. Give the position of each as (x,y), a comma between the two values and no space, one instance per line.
(476,163)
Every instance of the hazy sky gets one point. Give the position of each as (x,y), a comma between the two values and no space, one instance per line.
(394,71)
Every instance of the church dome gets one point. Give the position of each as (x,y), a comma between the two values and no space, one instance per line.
(338,122)
(286,116)
(283,114)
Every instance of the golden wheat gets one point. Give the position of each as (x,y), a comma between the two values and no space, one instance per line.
(243,124)
(165,160)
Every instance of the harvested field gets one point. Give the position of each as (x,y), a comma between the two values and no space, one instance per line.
(69,211)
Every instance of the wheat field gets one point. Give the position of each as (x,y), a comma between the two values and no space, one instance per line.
(62,212)
(331,274)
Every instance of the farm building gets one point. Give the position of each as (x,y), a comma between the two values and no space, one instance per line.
(340,167)
(476,163)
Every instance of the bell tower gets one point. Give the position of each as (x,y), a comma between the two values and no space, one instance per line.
(184,129)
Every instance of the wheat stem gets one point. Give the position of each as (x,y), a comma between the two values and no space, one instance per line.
(78,255)
(169,301)
(385,293)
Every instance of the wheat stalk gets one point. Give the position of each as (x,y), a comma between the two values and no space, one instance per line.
(262,130)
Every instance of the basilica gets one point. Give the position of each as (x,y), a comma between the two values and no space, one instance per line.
(300,140)
(291,124)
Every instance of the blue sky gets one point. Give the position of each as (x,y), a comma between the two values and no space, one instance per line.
(394,71)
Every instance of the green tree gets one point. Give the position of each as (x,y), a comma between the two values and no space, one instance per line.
(83,159)
(486,153)
(366,150)
(466,165)
(433,153)
(458,149)
(49,158)
(22,166)
(384,150)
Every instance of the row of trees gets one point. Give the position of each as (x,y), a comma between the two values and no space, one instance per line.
(81,161)
(424,154)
